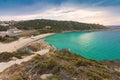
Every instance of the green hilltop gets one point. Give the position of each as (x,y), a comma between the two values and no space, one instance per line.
(45,25)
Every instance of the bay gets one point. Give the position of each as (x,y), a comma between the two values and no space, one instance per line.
(100,45)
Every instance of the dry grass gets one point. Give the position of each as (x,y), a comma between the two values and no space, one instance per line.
(29,32)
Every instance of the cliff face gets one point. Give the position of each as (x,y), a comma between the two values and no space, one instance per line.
(60,65)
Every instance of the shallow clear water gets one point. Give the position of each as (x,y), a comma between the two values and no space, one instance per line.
(101,45)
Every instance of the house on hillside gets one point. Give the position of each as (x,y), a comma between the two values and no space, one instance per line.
(13,32)
(47,27)
(2,33)
(3,24)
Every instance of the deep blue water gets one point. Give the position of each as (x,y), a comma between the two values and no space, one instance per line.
(101,45)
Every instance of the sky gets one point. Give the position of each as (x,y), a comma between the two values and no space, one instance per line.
(106,12)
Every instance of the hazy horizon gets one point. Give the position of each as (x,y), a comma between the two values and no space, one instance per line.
(104,12)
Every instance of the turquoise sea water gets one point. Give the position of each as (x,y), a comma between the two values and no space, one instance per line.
(101,45)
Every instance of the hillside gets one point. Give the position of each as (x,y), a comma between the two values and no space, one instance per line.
(3,28)
(56,26)
(60,65)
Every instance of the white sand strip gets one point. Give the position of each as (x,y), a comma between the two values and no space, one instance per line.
(4,65)
(13,46)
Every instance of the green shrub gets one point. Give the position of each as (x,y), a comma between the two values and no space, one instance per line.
(17,78)
(8,39)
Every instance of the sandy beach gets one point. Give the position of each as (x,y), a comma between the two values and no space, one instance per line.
(13,46)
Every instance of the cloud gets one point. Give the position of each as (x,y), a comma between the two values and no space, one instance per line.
(69,10)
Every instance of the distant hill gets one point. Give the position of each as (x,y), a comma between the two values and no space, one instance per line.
(114,27)
(56,26)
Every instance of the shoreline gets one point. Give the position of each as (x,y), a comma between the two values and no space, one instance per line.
(15,45)
(109,29)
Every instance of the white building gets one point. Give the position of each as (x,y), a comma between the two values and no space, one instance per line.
(2,33)
(47,27)
(3,24)
(13,32)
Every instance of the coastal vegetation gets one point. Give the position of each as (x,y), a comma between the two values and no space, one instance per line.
(3,28)
(63,65)
(7,56)
(39,45)
(7,39)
